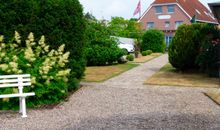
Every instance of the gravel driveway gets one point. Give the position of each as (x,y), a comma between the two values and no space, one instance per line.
(123,102)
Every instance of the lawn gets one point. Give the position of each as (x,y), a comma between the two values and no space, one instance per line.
(169,76)
(102,73)
(143,59)
(215,96)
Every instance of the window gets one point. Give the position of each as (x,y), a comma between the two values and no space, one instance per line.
(150,25)
(170,8)
(178,23)
(167,24)
(158,9)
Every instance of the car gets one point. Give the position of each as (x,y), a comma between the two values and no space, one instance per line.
(126,44)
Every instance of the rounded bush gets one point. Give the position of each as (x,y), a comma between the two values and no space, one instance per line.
(185,46)
(103,55)
(153,40)
(147,52)
(144,53)
(60,21)
(130,57)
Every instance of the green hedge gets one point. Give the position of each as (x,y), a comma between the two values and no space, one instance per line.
(153,40)
(61,21)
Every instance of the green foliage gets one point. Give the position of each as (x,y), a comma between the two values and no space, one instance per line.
(185,46)
(147,52)
(130,57)
(48,68)
(125,28)
(153,40)
(101,48)
(144,53)
(60,21)
(209,52)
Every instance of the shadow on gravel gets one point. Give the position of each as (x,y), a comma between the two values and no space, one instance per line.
(148,121)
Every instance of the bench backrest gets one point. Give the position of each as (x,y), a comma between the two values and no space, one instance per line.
(15,80)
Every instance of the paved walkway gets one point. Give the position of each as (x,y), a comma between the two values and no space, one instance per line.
(123,102)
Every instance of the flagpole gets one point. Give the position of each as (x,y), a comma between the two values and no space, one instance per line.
(140,11)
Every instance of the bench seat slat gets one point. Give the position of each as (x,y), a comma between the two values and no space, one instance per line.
(14,85)
(14,80)
(14,76)
(17,95)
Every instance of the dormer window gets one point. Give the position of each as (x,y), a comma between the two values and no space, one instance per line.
(170,8)
(158,9)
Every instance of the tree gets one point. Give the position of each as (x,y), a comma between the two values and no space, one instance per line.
(125,28)
(153,40)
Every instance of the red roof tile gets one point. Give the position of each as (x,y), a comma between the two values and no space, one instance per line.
(192,7)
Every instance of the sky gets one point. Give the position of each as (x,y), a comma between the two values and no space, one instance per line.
(105,9)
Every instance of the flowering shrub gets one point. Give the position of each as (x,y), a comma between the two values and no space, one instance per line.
(49,73)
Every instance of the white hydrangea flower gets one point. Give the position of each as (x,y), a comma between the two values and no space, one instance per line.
(17,37)
(31,37)
(46,48)
(33,80)
(29,54)
(3,45)
(1,38)
(61,48)
(4,67)
(15,58)
(2,54)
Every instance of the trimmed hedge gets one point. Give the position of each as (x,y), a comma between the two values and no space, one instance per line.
(153,40)
(130,57)
(147,52)
(61,21)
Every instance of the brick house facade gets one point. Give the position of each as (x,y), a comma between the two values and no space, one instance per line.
(167,15)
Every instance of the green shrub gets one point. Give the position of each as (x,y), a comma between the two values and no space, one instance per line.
(153,40)
(48,68)
(144,53)
(209,52)
(61,21)
(101,49)
(130,57)
(185,46)
(147,52)
(101,55)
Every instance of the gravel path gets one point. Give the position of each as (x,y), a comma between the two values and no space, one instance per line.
(123,102)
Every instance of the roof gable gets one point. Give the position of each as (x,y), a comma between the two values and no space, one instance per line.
(191,7)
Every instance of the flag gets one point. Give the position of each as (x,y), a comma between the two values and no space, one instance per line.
(138,8)
(193,20)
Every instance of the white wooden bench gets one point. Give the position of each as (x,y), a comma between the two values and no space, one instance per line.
(17,81)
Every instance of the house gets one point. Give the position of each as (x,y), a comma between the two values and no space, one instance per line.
(215,7)
(168,15)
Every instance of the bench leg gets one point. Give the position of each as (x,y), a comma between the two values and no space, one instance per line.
(20,105)
(24,114)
